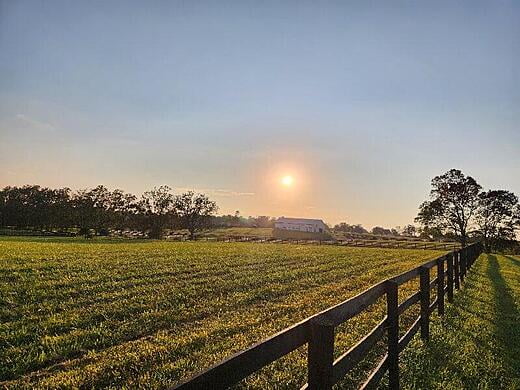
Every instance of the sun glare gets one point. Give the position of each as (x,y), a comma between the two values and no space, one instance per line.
(287,181)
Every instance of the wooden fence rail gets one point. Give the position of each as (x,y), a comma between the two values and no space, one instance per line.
(365,243)
(318,331)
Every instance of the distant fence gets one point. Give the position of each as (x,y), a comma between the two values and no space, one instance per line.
(405,244)
(318,331)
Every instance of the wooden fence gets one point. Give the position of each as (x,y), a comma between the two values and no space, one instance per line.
(318,331)
(366,243)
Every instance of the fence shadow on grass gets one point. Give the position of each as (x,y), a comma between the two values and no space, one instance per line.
(513,260)
(507,315)
(477,343)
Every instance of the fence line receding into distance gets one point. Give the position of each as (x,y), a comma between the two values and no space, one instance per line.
(365,243)
(318,331)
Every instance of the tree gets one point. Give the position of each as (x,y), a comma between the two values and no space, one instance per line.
(194,211)
(35,207)
(264,221)
(157,207)
(409,230)
(381,231)
(83,206)
(59,209)
(454,201)
(431,233)
(498,217)
(345,227)
(121,207)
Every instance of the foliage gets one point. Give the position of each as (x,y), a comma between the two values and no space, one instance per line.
(99,210)
(458,205)
(497,218)
(114,313)
(345,227)
(409,231)
(454,200)
(381,231)
(237,220)
(34,206)
(194,211)
(157,208)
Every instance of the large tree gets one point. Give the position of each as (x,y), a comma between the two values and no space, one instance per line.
(454,202)
(498,217)
(194,211)
(158,209)
(121,208)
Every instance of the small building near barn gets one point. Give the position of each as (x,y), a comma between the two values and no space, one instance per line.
(300,225)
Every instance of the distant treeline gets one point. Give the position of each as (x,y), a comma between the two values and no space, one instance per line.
(99,210)
(407,231)
(458,209)
(237,220)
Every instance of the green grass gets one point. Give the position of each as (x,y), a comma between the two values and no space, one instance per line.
(477,344)
(127,314)
(238,231)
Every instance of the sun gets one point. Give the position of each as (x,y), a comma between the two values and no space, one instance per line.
(287,181)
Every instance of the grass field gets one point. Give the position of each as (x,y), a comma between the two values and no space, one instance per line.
(146,314)
(477,344)
(238,231)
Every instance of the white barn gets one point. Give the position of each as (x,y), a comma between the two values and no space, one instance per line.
(301,224)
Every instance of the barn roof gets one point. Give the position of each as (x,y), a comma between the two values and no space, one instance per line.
(299,220)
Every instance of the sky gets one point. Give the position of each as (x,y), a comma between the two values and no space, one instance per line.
(362,103)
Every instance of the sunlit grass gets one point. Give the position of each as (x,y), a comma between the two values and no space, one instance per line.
(147,314)
(477,344)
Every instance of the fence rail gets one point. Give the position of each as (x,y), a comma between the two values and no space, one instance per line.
(317,331)
(365,243)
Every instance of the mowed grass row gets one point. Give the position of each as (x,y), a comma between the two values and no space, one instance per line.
(147,314)
(477,343)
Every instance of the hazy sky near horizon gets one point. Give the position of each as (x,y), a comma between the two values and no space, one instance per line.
(361,102)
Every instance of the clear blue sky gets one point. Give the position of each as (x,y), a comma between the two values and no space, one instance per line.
(362,102)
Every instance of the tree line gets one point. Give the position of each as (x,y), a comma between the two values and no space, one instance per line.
(458,206)
(98,210)
(406,231)
(459,209)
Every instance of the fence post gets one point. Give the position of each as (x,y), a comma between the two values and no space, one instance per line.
(456,267)
(476,254)
(393,334)
(450,277)
(425,302)
(320,356)
(462,263)
(440,285)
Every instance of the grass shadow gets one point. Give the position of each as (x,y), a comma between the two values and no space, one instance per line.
(513,260)
(507,316)
(476,345)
